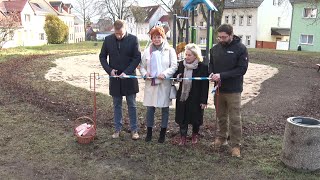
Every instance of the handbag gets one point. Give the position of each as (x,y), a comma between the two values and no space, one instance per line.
(173,92)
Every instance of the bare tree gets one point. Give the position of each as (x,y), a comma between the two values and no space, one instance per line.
(176,8)
(117,9)
(87,9)
(8,24)
(219,4)
(314,11)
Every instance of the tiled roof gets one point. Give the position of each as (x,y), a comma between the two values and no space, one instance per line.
(164,18)
(150,10)
(41,7)
(234,4)
(55,3)
(13,5)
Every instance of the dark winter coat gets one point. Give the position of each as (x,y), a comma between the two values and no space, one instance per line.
(124,56)
(189,111)
(231,62)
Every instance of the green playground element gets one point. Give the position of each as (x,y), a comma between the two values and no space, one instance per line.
(191,29)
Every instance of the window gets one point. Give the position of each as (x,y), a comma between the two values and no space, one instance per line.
(310,13)
(279,20)
(275,2)
(248,40)
(226,19)
(201,23)
(306,39)
(203,40)
(249,20)
(241,21)
(41,36)
(233,20)
(27,17)
(240,36)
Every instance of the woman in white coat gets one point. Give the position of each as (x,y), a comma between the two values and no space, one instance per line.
(159,62)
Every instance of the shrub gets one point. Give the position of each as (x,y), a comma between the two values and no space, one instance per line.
(57,32)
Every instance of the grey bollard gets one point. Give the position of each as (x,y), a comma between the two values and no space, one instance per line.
(301,144)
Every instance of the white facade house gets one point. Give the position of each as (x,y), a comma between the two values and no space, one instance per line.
(259,23)
(27,34)
(79,32)
(154,14)
(32,17)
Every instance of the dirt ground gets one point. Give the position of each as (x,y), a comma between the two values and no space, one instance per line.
(293,91)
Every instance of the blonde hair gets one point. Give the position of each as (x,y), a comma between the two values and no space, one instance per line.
(196,51)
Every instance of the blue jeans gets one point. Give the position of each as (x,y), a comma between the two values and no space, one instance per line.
(132,111)
(164,116)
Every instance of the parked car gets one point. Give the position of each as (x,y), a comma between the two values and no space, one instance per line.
(101,35)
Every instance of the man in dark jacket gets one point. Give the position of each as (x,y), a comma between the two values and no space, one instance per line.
(124,56)
(228,64)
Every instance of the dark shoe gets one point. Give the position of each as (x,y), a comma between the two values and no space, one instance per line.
(162,136)
(195,138)
(183,141)
(149,134)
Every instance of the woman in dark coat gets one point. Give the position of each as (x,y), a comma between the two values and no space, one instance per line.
(192,95)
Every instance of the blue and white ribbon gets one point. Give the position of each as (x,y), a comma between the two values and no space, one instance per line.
(141,77)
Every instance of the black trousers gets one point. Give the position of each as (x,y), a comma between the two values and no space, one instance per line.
(184,129)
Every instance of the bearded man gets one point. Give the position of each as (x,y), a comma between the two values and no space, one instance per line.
(228,64)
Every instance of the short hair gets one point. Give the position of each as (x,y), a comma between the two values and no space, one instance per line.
(118,24)
(227,28)
(195,50)
(157,30)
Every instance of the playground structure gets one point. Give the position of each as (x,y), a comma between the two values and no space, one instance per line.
(191,30)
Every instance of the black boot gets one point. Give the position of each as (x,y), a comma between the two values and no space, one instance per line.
(149,134)
(162,136)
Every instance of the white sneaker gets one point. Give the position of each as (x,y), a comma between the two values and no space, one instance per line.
(116,135)
(135,135)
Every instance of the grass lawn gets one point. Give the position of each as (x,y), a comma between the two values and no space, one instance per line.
(37,142)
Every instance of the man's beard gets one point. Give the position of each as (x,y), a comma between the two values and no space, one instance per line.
(225,43)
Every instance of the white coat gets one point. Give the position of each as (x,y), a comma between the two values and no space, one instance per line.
(158,96)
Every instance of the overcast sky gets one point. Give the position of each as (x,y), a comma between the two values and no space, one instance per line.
(141,3)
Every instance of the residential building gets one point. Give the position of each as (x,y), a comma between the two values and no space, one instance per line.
(79,32)
(64,13)
(154,15)
(305,27)
(260,23)
(32,19)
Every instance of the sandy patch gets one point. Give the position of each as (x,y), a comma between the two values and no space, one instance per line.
(76,71)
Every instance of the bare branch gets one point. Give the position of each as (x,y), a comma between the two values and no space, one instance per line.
(9,22)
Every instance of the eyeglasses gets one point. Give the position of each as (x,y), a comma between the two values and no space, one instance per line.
(222,37)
